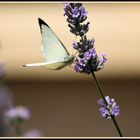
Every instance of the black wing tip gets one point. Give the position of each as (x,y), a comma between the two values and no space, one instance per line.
(40,21)
(24,66)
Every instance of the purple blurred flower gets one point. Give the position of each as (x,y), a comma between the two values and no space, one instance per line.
(6,98)
(16,113)
(111,108)
(32,133)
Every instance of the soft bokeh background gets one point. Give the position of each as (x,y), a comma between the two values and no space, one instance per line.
(63,103)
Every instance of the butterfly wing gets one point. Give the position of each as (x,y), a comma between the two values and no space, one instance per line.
(51,47)
(55,65)
(53,50)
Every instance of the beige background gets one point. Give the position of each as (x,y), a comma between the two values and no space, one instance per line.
(115,27)
(63,103)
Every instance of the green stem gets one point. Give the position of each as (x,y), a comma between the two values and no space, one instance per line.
(17,130)
(101,93)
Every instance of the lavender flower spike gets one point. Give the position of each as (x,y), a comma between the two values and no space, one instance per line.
(112,108)
(75,12)
(87,60)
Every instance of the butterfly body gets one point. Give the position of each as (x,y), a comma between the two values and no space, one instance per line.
(60,64)
(55,65)
(55,54)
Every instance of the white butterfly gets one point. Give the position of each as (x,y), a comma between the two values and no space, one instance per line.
(53,50)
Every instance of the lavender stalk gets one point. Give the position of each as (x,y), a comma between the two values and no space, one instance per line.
(104,99)
(87,60)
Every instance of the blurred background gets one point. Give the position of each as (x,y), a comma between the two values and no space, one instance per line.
(64,103)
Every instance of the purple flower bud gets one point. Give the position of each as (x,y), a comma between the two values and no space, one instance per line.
(115,110)
(104,112)
(90,54)
(104,57)
(75,12)
(75,45)
(101,62)
(67,8)
(83,12)
(101,103)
